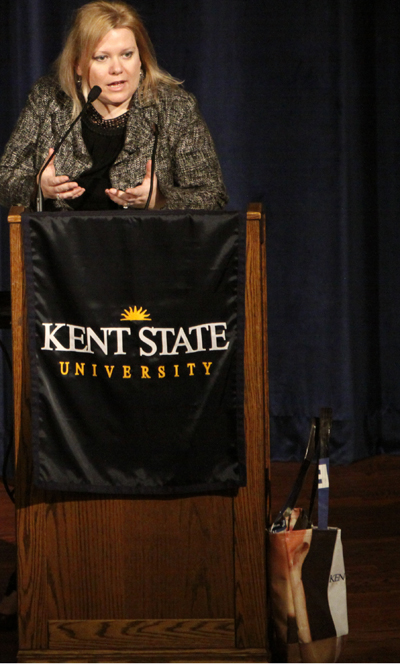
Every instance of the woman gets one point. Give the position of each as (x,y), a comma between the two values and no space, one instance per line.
(105,162)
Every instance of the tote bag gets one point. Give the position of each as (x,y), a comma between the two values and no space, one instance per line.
(306,568)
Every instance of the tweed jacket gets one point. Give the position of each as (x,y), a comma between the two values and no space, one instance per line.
(187,166)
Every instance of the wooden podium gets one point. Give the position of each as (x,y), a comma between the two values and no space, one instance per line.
(139,579)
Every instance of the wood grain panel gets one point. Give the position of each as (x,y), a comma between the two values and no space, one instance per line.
(29,501)
(84,566)
(142,656)
(187,542)
(249,505)
(140,558)
(142,634)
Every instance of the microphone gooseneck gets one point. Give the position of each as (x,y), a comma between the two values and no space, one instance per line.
(153,166)
(92,96)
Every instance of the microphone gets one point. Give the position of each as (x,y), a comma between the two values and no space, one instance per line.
(92,96)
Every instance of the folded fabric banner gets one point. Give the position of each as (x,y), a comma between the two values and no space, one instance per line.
(136,326)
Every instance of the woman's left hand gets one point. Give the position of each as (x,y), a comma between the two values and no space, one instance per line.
(136,197)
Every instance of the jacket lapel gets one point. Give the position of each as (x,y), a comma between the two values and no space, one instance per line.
(73,157)
(139,131)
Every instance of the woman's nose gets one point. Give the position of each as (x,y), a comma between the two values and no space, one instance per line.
(115,66)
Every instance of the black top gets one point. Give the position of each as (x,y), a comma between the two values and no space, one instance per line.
(104,140)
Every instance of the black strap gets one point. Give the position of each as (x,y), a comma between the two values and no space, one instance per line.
(318,446)
(289,505)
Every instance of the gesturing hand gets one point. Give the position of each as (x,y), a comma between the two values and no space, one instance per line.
(58,186)
(137,196)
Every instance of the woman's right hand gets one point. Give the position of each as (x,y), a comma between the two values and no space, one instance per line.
(58,186)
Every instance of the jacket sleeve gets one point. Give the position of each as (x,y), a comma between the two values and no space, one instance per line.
(197,177)
(18,167)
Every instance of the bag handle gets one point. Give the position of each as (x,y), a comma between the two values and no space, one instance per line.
(318,445)
(280,521)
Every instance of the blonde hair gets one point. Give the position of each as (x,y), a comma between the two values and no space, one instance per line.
(90,25)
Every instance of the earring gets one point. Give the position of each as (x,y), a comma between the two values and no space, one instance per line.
(141,76)
(78,80)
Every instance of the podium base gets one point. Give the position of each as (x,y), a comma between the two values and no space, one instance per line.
(229,655)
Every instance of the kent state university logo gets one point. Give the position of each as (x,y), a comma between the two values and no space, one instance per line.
(135,314)
(167,346)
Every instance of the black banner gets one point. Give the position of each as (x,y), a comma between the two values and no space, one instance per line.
(136,325)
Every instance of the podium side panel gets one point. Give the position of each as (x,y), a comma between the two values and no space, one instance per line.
(29,501)
(250,517)
(264,315)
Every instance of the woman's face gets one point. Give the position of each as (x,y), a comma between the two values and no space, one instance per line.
(115,67)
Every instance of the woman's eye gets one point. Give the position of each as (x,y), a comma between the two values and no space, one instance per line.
(99,58)
(128,54)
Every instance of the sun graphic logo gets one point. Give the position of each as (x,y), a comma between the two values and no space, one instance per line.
(135,314)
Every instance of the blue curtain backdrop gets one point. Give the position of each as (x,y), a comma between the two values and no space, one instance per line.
(303,101)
